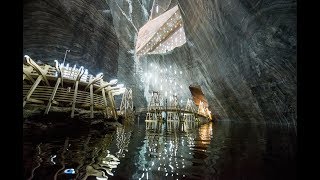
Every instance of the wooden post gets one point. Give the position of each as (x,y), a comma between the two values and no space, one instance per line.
(31,90)
(91,101)
(90,85)
(123,104)
(52,96)
(74,99)
(113,107)
(81,71)
(104,97)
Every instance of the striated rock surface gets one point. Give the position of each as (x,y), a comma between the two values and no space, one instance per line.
(84,27)
(241,52)
(246,56)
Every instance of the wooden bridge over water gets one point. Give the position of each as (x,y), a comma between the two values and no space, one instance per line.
(174,115)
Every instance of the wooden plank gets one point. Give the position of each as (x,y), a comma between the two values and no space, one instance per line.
(52,96)
(35,101)
(45,99)
(31,90)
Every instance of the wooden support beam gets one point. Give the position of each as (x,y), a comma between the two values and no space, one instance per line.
(40,71)
(104,99)
(102,86)
(81,71)
(74,99)
(43,73)
(36,83)
(60,75)
(27,73)
(91,101)
(52,96)
(92,80)
(113,107)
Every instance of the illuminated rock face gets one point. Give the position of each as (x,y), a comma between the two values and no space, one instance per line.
(245,57)
(84,27)
(241,52)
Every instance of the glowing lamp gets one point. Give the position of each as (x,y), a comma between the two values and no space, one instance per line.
(120,86)
(113,81)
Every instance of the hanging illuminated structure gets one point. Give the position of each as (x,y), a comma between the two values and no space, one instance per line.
(161,34)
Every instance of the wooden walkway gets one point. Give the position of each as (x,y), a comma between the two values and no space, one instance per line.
(66,86)
(176,118)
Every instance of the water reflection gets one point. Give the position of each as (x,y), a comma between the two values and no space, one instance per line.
(171,152)
(222,150)
(71,158)
(123,140)
(159,126)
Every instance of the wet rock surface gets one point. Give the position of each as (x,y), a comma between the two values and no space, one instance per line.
(84,27)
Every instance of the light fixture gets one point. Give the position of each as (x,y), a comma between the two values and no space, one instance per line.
(99,74)
(113,81)
(120,86)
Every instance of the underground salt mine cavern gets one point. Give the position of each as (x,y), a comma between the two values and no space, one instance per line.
(159,89)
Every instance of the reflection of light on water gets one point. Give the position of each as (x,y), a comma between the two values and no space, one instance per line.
(54,156)
(167,152)
(107,163)
(205,133)
(123,140)
(98,178)
(69,171)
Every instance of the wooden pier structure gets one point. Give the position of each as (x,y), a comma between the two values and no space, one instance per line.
(176,116)
(72,87)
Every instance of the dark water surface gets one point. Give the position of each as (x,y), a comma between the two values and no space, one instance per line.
(222,150)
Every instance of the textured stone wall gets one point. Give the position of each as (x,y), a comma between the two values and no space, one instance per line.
(246,56)
(85,27)
(241,52)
